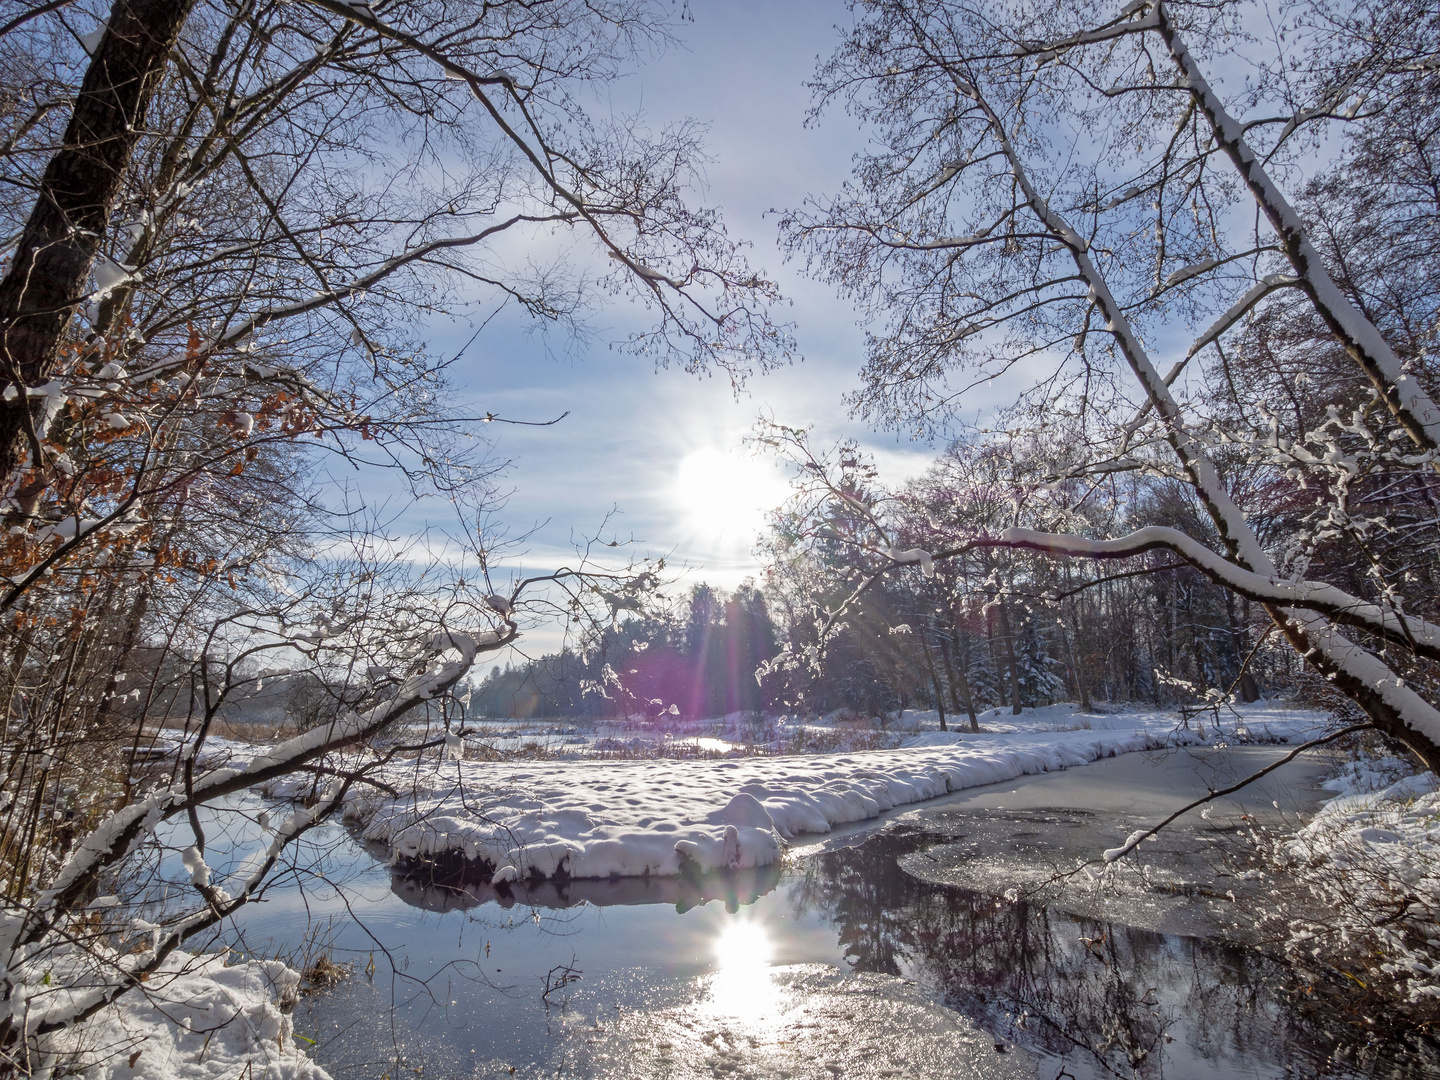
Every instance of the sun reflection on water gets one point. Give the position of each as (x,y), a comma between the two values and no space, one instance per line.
(742,989)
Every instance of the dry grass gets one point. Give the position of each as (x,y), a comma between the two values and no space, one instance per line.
(323,973)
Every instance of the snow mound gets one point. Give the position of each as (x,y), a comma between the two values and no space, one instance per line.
(1348,828)
(1376,851)
(600,819)
(195,1019)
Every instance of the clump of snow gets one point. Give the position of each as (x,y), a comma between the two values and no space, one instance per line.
(194,862)
(91,42)
(914,555)
(195,1019)
(109,274)
(1114,854)
(455,746)
(597,819)
(1062,716)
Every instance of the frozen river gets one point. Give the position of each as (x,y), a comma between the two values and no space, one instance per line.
(886,950)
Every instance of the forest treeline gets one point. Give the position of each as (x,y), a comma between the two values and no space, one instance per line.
(696,658)
(985,629)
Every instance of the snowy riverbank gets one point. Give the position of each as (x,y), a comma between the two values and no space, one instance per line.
(196,1019)
(598,819)
(586,819)
(1373,849)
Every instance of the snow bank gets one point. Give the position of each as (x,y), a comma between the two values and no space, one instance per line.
(1371,857)
(582,819)
(194,1019)
(1378,818)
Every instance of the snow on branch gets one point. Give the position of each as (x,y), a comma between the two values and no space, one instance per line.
(1403,394)
(118,835)
(913,556)
(1327,599)
(1124,26)
(1358,672)
(1264,287)
(1204,476)
(79,1004)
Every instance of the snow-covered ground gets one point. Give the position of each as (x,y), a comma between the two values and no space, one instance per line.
(197,1019)
(740,734)
(598,819)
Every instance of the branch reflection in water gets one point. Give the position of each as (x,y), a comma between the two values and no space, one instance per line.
(1091,997)
(454,891)
(1104,998)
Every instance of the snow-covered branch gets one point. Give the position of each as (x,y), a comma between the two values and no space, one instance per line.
(1264,287)
(1401,391)
(1362,675)
(119,834)
(1134,18)
(1379,619)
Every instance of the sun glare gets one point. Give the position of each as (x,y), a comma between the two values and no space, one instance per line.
(742,988)
(726,493)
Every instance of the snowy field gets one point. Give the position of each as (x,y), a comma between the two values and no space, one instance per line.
(740,734)
(597,819)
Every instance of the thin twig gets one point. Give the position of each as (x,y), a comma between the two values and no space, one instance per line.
(1135,841)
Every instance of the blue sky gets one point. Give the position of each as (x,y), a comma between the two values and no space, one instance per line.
(660,453)
(663,449)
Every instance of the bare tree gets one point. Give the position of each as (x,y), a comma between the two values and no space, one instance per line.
(277,195)
(1061,191)
(229,226)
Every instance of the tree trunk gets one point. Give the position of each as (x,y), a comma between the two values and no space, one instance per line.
(56,252)
(935,683)
(959,682)
(1010,659)
(1081,688)
(1386,717)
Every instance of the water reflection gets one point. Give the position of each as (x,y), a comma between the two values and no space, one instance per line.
(452,892)
(743,989)
(1093,999)
(1106,999)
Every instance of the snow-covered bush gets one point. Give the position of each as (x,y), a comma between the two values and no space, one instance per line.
(1370,864)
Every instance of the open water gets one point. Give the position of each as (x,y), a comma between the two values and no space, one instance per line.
(841,964)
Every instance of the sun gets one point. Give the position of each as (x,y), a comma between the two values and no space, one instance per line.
(726,493)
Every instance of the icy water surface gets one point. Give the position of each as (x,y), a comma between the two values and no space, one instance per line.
(841,965)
